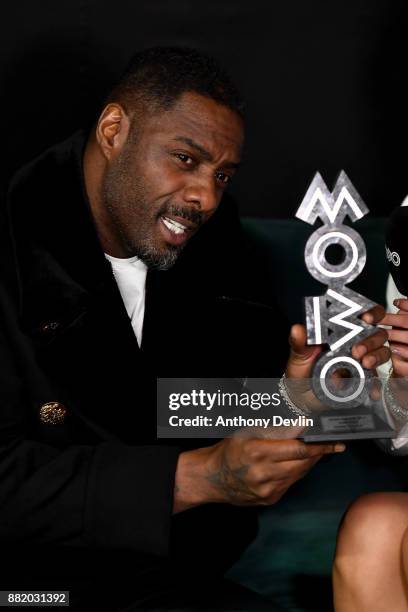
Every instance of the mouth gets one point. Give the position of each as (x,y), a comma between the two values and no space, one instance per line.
(176,231)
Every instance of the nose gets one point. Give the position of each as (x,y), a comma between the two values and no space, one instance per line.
(202,193)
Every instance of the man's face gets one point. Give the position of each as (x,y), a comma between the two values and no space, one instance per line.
(170,175)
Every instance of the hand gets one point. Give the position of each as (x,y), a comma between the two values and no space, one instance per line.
(244,472)
(370,351)
(398,337)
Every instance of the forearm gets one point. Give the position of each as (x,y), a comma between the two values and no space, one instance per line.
(193,485)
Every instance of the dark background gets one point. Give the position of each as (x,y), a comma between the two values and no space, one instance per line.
(324,82)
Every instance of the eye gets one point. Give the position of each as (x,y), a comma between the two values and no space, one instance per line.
(185,159)
(223,178)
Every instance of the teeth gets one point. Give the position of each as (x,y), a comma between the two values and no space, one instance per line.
(176,223)
(174,226)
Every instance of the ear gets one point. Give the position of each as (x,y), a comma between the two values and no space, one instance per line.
(112,130)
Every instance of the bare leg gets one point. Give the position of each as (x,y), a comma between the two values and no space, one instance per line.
(404,552)
(372,547)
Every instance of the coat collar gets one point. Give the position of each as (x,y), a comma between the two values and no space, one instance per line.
(61,266)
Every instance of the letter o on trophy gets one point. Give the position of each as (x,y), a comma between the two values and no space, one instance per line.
(334,392)
(351,265)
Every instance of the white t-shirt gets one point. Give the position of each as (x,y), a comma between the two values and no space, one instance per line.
(130,276)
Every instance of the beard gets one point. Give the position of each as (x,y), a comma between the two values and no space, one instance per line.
(134,220)
(157,259)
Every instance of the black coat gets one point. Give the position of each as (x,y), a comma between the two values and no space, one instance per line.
(98,484)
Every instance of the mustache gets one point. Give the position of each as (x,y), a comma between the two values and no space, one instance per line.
(190,214)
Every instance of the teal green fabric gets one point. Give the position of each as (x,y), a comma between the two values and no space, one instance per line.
(281,243)
(290,561)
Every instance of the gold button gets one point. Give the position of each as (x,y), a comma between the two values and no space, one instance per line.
(53,413)
(50,327)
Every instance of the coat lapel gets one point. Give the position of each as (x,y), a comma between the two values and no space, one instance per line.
(70,306)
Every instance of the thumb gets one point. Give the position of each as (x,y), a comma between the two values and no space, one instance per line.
(302,356)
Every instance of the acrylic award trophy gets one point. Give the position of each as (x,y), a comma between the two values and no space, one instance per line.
(347,410)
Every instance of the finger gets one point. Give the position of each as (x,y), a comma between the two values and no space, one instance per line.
(302,356)
(300,466)
(298,342)
(340,374)
(396,320)
(397,335)
(376,358)
(369,344)
(292,450)
(401,303)
(286,471)
(288,477)
(400,350)
(374,315)
(399,366)
(375,389)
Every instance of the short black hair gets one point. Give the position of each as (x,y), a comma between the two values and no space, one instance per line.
(158,76)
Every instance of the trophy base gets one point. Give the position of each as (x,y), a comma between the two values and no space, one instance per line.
(356,424)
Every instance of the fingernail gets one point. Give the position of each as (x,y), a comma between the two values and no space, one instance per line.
(396,351)
(396,303)
(368,318)
(339,448)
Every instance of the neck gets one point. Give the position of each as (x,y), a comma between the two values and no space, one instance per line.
(94,167)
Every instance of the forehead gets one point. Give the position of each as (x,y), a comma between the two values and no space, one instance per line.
(212,125)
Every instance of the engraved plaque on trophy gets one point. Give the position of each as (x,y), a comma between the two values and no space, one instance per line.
(333,319)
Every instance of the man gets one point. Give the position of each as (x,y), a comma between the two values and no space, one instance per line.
(101,299)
